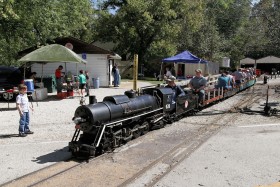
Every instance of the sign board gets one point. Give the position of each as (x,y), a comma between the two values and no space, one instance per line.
(69,46)
(225,62)
(84,56)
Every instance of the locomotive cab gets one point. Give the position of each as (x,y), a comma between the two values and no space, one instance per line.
(164,97)
(186,103)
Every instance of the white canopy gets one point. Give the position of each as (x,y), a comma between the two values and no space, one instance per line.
(269,60)
(247,61)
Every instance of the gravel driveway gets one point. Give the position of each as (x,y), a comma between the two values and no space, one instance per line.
(53,128)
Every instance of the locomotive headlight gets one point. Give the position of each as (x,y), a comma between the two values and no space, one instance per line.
(78,120)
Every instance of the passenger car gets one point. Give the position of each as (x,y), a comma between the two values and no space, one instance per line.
(10,78)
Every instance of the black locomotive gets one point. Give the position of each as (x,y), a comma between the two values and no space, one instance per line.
(117,119)
(120,118)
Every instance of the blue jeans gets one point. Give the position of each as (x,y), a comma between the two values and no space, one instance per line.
(116,79)
(24,122)
(58,85)
(201,94)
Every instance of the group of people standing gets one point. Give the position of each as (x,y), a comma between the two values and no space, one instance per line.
(83,79)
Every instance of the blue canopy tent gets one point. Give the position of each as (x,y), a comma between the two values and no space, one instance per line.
(184,57)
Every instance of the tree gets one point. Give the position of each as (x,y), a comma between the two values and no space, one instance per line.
(267,13)
(27,23)
(148,28)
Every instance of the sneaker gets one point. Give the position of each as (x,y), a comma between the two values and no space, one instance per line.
(29,132)
(21,134)
(86,95)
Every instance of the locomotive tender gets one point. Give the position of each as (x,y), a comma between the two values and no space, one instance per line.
(120,118)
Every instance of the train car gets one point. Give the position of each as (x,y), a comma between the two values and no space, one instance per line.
(103,126)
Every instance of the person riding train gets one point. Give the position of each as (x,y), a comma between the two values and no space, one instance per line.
(238,76)
(224,82)
(197,84)
(177,90)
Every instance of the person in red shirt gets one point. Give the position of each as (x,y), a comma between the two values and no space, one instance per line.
(58,78)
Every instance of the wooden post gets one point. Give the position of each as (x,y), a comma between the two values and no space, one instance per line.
(135,72)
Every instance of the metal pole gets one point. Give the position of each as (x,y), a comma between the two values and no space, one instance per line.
(24,70)
(266,104)
(161,71)
(135,77)
(42,74)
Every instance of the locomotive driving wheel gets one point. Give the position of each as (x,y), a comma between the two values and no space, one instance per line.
(145,127)
(116,138)
(107,144)
(126,135)
(135,131)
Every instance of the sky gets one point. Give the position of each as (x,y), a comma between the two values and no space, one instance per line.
(255,1)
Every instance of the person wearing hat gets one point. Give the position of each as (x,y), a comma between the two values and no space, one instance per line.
(177,90)
(197,84)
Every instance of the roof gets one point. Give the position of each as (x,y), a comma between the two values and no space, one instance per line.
(184,57)
(269,60)
(79,46)
(247,61)
(264,60)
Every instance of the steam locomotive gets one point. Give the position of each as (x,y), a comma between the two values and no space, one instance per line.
(118,119)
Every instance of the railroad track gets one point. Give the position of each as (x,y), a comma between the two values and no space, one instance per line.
(168,161)
(37,177)
(182,151)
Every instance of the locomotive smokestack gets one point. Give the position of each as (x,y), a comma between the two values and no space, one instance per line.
(92,99)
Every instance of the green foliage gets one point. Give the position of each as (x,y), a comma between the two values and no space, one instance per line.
(146,28)
(28,23)
(267,14)
(154,29)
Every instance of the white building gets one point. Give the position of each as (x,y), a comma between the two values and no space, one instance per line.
(266,64)
(99,62)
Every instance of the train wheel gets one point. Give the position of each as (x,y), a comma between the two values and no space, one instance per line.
(126,135)
(146,128)
(136,132)
(8,96)
(117,138)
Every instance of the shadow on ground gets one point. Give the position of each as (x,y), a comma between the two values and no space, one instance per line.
(3,136)
(55,156)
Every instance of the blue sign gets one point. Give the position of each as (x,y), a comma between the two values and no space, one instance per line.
(84,56)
